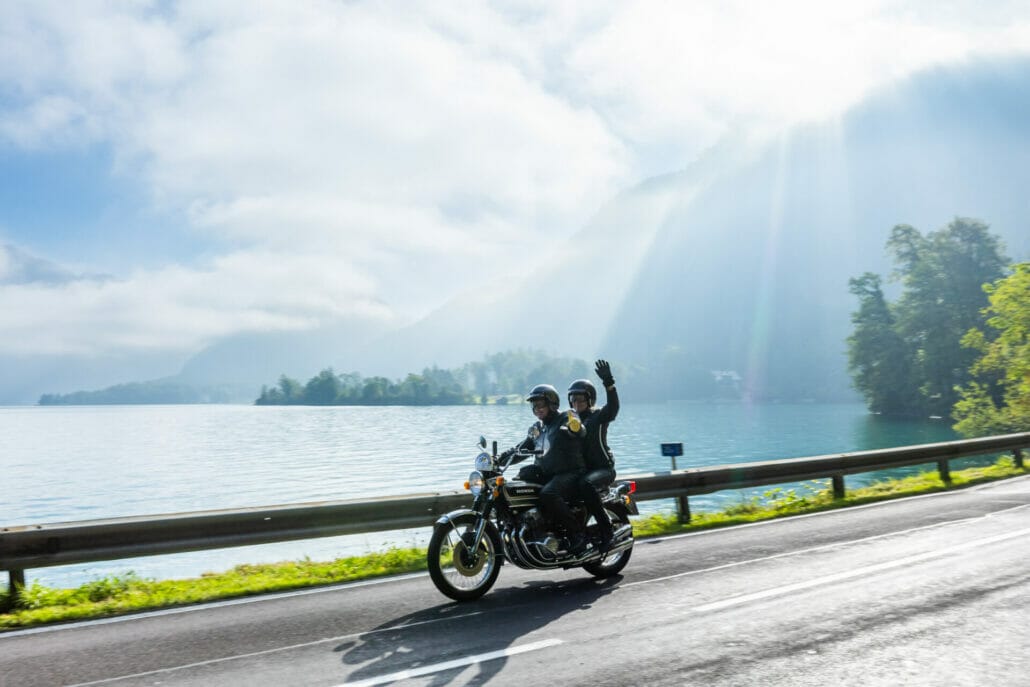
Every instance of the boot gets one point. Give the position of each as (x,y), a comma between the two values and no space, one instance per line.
(605,536)
(578,544)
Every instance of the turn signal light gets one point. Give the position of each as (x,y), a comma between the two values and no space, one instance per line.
(499,481)
(466,485)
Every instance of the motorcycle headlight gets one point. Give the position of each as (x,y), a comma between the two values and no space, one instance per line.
(475,483)
(484,462)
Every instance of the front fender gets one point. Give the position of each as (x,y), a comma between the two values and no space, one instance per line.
(491,529)
(449,518)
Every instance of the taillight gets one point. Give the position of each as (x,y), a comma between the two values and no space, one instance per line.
(632,486)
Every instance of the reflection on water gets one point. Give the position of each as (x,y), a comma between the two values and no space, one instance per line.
(874,431)
(76,463)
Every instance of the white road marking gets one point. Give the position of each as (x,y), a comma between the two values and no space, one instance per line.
(212,604)
(456,663)
(302,645)
(1006,482)
(993,486)
(825,547)
(857,572)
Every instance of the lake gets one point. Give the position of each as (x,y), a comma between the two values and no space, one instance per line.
(66,463)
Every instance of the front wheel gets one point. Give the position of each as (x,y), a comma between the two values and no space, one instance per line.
(457,570)
(613,563)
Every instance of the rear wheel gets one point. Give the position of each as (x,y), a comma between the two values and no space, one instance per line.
(456,569)
(613,563)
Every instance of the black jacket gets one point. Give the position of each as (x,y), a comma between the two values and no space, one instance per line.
(596,453)
(560,437)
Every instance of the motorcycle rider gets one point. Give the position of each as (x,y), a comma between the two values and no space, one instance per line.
(597,456)
(559,466)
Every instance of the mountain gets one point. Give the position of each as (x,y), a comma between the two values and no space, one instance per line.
(258,359)
(741,262)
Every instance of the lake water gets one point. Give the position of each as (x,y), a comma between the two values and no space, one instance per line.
(85,462)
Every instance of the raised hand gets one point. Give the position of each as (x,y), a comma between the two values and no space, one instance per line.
(604,372)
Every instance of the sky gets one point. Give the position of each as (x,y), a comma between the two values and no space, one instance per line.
(172,173)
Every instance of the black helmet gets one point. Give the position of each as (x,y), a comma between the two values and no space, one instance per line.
(583,386)
(544,391)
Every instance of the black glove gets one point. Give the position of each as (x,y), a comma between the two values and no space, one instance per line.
(604,371)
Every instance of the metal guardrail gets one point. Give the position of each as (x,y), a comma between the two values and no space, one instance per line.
(38,546)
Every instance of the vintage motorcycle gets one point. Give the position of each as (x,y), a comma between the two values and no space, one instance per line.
(469,545)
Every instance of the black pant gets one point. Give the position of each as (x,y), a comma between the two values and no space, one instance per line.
(589,486)
(554,497)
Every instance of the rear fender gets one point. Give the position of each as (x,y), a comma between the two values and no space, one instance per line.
(622,504)
(621,492)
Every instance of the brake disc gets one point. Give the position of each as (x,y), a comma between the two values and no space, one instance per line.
(462,553)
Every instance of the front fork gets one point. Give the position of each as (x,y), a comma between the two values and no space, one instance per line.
(483,503)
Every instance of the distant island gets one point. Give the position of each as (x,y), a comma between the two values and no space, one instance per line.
(431,388)
(155,392)
(494,380)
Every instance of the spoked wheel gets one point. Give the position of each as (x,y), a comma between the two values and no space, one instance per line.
(457,570)
(613,563)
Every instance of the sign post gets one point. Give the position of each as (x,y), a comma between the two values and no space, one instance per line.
(682,505)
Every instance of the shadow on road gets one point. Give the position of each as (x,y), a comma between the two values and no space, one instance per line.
(455,631)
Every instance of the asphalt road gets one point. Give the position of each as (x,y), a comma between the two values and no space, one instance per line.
(932,590)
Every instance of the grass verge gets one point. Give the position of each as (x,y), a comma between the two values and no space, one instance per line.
(39,604)
(817,496)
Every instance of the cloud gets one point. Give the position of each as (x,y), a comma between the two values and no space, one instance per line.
(20,267)
(375,109)
(675,75)
(374,159)
(182,309)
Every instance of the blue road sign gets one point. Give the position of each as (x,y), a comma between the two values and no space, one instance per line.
(672,449)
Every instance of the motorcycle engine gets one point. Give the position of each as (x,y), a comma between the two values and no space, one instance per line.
(536,527)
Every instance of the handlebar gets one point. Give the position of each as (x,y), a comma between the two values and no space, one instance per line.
(520,456)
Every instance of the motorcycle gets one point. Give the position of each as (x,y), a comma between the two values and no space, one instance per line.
(469,545)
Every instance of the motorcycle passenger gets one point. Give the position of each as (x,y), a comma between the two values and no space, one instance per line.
(559,465)
(597,456)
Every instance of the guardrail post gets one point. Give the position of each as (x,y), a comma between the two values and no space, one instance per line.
(682,505)
(1017,455)
(683,508)
(945,469)
(838,486)
(16,582)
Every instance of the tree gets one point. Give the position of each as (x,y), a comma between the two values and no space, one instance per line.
(998,400)
(878,358)
(942,275)
(322,389)
(290,389)
(375,390)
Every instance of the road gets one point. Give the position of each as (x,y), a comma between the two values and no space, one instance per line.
(932,590)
